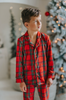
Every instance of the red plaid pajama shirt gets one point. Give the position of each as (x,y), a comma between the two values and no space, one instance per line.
(34,63)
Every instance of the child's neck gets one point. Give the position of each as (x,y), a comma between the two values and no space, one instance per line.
(32,34)
(32,37)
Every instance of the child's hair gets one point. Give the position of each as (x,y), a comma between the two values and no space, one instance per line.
(27,13)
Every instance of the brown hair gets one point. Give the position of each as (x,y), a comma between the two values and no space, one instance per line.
(27,13)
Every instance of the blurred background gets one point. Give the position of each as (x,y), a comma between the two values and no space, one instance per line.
(11,27)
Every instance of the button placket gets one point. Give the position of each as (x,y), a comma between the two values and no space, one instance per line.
(35,58)
(36,63)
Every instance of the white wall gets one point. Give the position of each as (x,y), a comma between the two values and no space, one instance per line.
(5,24)
(34,3)
(41,4)
(5,17)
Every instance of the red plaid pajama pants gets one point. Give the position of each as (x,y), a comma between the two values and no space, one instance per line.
(43,92)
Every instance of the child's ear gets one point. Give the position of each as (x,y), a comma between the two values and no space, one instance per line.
(26,24)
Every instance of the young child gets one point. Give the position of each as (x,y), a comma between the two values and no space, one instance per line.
(34,62)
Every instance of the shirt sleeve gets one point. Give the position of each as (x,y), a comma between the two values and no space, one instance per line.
(19,60)
(50,60)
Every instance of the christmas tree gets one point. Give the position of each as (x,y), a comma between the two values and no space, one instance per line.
(56,29)
(13,36)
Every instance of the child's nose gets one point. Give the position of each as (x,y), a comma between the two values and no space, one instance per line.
(39,22)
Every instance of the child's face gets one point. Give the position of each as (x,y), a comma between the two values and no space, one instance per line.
(35,24)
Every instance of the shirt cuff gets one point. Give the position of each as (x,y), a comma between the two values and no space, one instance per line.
(51,76)
(19,80)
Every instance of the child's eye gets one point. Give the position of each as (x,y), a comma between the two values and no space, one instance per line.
(35,20)
(40,20)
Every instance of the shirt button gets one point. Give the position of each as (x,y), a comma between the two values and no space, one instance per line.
(37,66)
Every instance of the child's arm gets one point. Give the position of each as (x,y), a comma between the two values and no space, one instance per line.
(19,66)
(49,60)
(50,68)
(19,59)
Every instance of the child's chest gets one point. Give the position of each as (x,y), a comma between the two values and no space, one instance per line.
(32,52)
(34,56)
(33,40)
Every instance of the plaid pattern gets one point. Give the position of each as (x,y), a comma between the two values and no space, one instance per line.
(34,63)
(29,94)
(42,90)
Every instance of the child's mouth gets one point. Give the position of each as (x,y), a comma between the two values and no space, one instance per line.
(39,27)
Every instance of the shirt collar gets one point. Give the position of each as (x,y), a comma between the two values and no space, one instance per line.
(27,35)
(37,39)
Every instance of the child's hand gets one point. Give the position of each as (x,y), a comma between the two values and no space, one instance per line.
(23,87)
(49,82)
